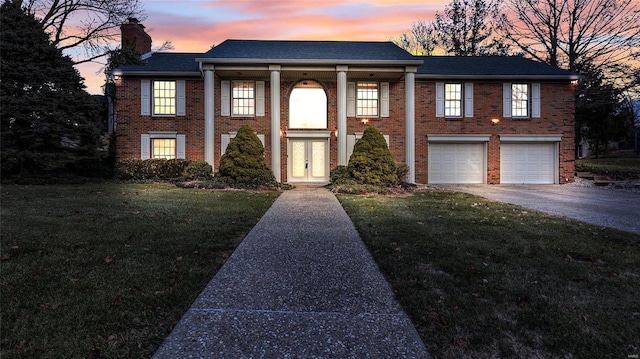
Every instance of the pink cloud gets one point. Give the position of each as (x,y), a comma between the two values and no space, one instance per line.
(212,22)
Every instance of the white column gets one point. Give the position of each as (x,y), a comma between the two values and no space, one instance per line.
(410,135)
(275,121)
(342,115)
(209,99)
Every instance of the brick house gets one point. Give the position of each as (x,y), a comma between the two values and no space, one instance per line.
(451,119)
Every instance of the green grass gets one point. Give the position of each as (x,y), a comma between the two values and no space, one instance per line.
(106,270)
(482,279)
(620,168)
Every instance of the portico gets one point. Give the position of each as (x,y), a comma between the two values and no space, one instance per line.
(272,72)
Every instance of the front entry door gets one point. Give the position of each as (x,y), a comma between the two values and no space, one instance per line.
(308,160)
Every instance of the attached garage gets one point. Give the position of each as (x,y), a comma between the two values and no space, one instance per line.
(457,159)
(529,159)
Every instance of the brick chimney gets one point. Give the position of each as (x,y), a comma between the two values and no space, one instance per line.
(133,34)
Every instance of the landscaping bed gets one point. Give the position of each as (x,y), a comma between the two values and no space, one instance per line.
(618,168)
(107,270)
(483,279)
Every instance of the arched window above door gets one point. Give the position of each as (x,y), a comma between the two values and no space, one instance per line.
(308,106)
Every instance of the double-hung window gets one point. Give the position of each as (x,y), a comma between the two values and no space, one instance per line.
(453,100)
(163,148)
(519,100)
(522,100)
(164,98)
(367,99)
(162,145)
(243,98)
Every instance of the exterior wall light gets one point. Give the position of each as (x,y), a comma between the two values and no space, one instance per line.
(495,121)
(335,132)
(364,121)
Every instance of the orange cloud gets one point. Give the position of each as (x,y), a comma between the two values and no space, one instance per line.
(198,26)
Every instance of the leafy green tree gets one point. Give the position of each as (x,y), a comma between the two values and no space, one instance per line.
(49,123)
(371,162)
(243,163)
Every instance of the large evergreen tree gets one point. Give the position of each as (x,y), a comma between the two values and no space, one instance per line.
(601,114)
(49,122)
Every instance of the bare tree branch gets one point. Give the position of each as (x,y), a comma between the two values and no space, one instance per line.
(421,40)
(90,24)
(566,33)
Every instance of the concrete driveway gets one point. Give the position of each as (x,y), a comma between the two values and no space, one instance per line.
(600,206)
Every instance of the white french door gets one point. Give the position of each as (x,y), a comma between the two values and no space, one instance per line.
(308,160)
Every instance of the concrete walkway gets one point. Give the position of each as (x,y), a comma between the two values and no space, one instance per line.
(301,285)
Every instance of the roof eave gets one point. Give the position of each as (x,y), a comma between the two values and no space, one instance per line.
(156,73)
(571,77)
(309,61)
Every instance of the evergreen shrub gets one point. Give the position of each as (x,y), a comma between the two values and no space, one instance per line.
(151,169)
(244,164)
(198,170)
(371,162)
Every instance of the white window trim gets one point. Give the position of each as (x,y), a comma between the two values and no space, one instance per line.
(466,100)
(378,115)
(146,98)
(528,115)
(145,143)
(534,101)
(255,100)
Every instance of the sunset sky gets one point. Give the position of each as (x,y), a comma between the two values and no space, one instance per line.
(196,25)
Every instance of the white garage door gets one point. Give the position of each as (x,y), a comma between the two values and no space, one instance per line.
(457,162)
(527,163)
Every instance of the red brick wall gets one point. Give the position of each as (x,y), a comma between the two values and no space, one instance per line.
(557,118)
(130,124)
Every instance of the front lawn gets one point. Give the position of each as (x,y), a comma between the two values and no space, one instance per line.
(482,279)
(106,271)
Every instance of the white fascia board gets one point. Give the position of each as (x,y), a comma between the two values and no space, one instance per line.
(162,134)
(530,138)
(459,138)
(156,73)
(310,61)
(499,77)
(308,134)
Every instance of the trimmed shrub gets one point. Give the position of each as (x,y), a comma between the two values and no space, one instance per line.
(402,170)
(151,169)
(337,173)
(371,162)
(198,170)
(243,164)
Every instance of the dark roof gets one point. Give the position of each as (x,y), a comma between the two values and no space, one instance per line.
(308,50)
(488,66)
(165,62)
